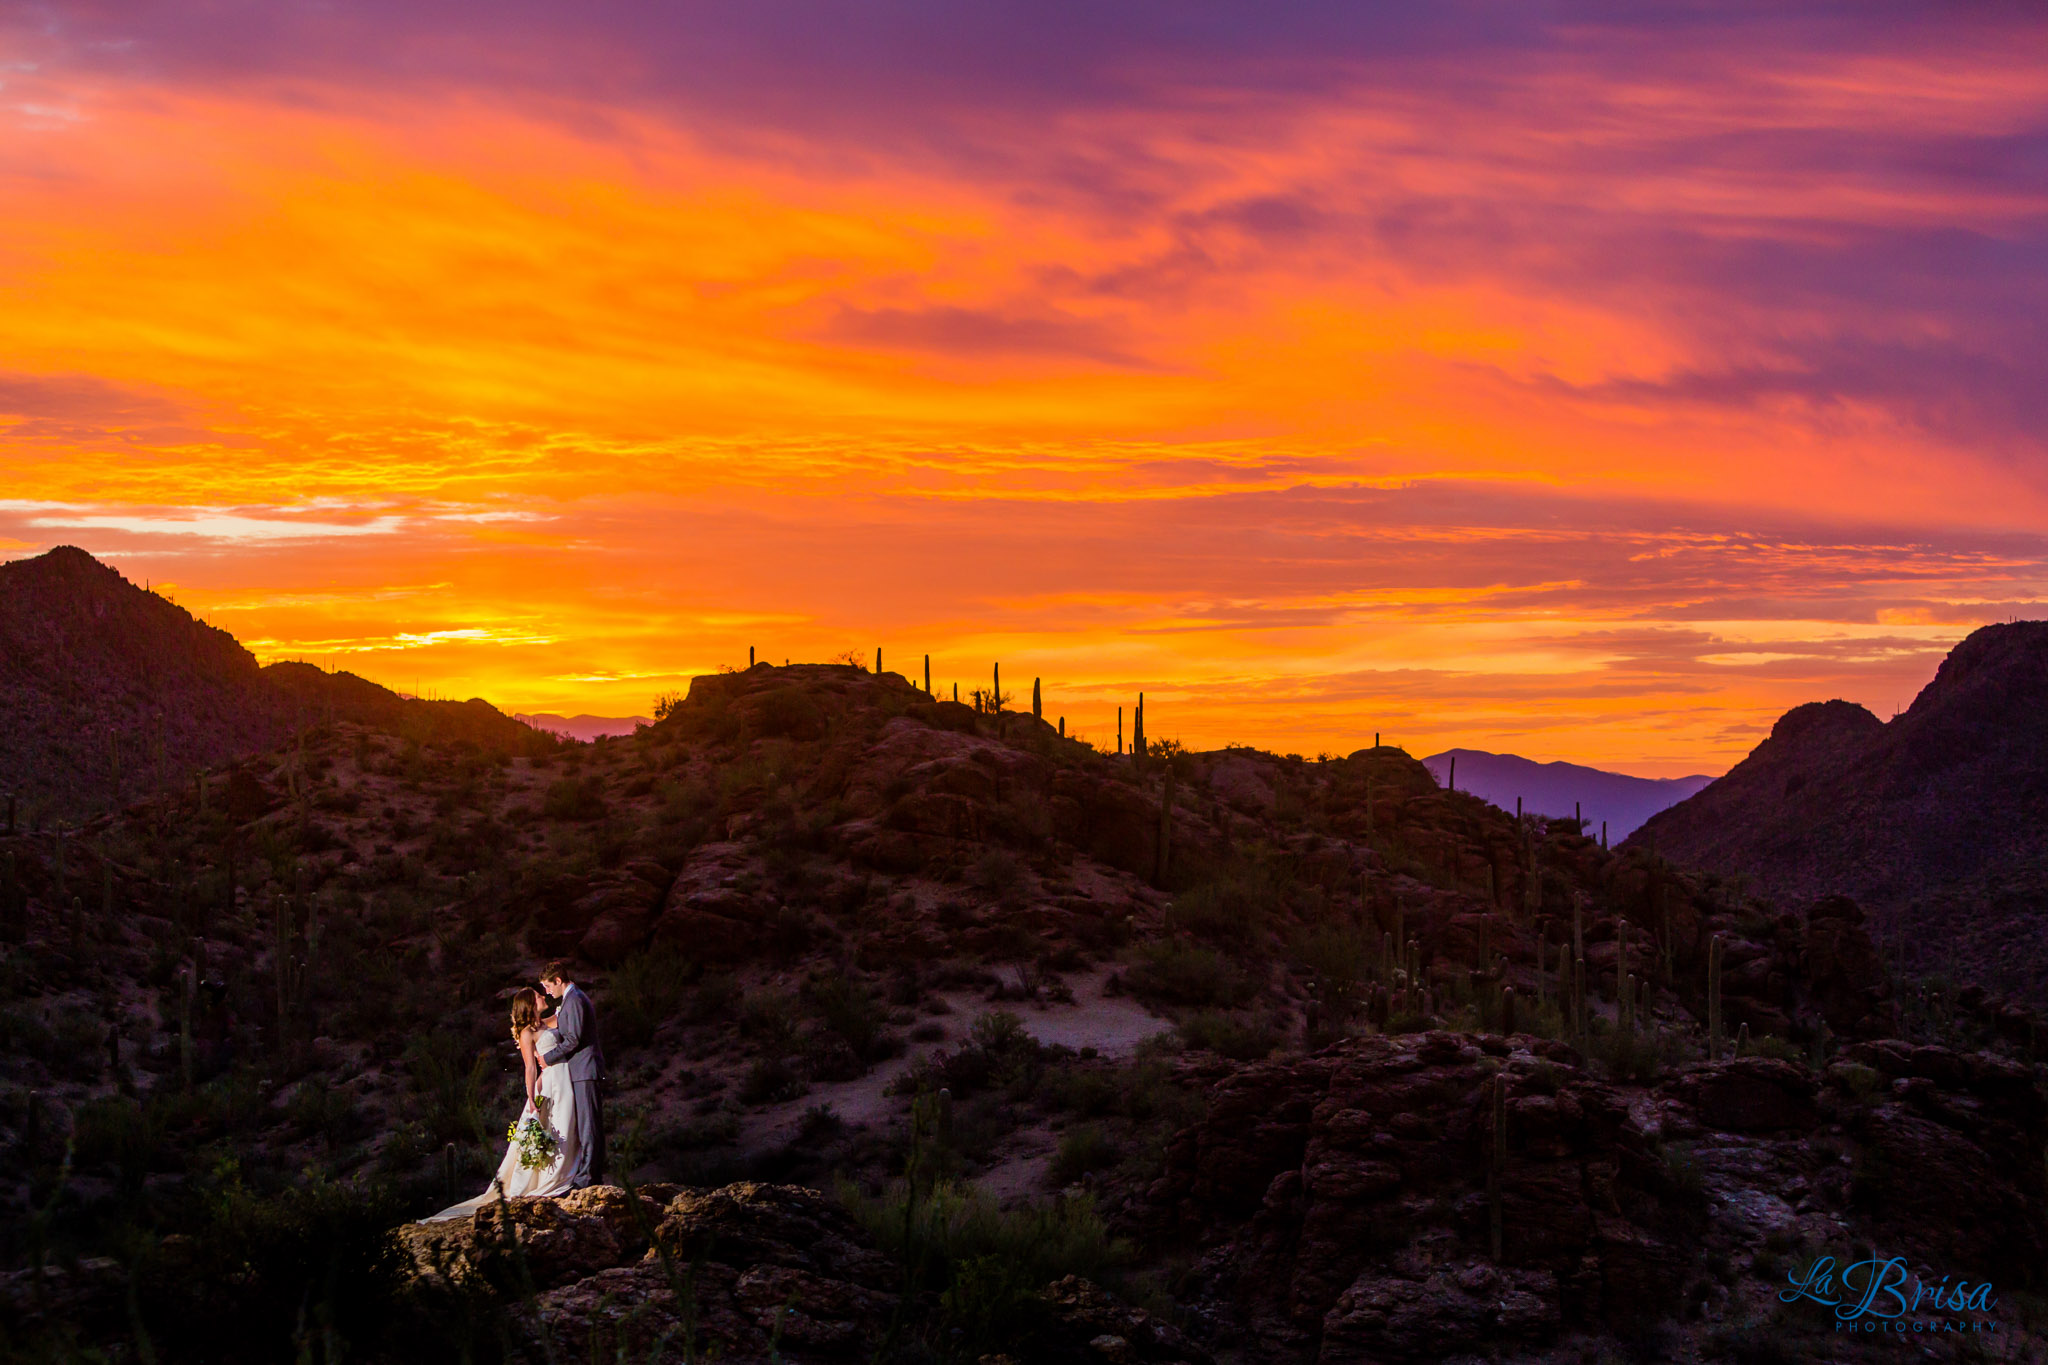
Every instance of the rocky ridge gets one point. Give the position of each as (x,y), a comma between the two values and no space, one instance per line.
(810,877)
(1936,822)
(111,693)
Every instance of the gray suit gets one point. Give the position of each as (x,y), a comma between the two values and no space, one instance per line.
(579,1047)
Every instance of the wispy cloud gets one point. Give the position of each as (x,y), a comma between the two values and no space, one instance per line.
(1601,383)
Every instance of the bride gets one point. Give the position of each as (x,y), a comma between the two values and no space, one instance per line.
(550,1102)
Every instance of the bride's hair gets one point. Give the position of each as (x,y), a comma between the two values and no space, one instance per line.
(525,1010)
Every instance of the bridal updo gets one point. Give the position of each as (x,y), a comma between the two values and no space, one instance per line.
(525,1010)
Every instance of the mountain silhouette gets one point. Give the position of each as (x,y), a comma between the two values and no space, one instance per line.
(582,727)
(112,692)
(1617,800)
(1936,821)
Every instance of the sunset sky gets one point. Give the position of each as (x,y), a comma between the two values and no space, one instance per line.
(1582,381)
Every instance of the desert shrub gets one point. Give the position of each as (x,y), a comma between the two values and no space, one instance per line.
(318,1109)
(769,1018)
(1083,1149)
(71,1043)
(1339,958)
(1179,973)
(996,1052)
(717,994)
(999,873)
(843,1004)
(770,1080)
(1090,1091)
(268,1269)
(978,1123)
(1239,1039)
(1861,1082)
(819,1125)
(1636,1055)
(1771,1045)
(453,1084)
(958,1223)
(571,798)
(646,991)
(991,1303)
(1683,1168)
(1235,908)
(119,1133)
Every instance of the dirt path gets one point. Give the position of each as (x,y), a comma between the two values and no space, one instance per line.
(1112,1025)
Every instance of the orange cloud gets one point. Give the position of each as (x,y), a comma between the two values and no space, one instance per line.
(1314,415)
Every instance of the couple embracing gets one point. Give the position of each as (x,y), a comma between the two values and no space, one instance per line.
(557,1144)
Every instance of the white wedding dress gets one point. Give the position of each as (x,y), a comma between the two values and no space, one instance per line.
(555,1105)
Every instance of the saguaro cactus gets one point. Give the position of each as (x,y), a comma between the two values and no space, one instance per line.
(995,698)
(1138,730)
(1119,729)
(1497,1165)
(1165,827)
(1714,999)
(1620,953)
(927,675)
(878,661)
(750,656)
(188,989)
(1063,727)
(1037,701)
(1507,1009)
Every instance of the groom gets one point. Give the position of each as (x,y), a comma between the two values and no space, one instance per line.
(579,1048)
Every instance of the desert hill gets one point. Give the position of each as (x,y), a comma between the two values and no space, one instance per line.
(935,1035)
(1937,821)
(110,692)
(1613,800)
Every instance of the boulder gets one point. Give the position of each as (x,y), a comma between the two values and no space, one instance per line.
(1349,1197)
(1750,1095)
(557,1239)
(1844,977)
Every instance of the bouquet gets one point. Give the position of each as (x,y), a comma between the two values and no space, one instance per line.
(536,1142)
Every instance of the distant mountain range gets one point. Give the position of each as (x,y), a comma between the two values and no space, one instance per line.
(1938,820)
(109,692)
(1621,801)
(584,728)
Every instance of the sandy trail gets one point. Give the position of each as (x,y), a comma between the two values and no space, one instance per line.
(1112,1025)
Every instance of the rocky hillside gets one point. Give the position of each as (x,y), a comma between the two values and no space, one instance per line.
(1937,822)
(110,693)
(936,1036)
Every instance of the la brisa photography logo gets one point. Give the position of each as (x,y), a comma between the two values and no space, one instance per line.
(1880,1294)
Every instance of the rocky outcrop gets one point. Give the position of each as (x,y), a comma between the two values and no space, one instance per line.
(1750,1095)
(112,692)
(1934,821)
(1344,1205)
(1351,1192)
(1845,980)
(747,1273)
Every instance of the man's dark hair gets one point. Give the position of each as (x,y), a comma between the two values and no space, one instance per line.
(558,970)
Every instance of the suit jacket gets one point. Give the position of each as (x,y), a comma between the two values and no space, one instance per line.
(577,1042)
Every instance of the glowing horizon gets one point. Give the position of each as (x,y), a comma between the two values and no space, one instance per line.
(1592,391)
